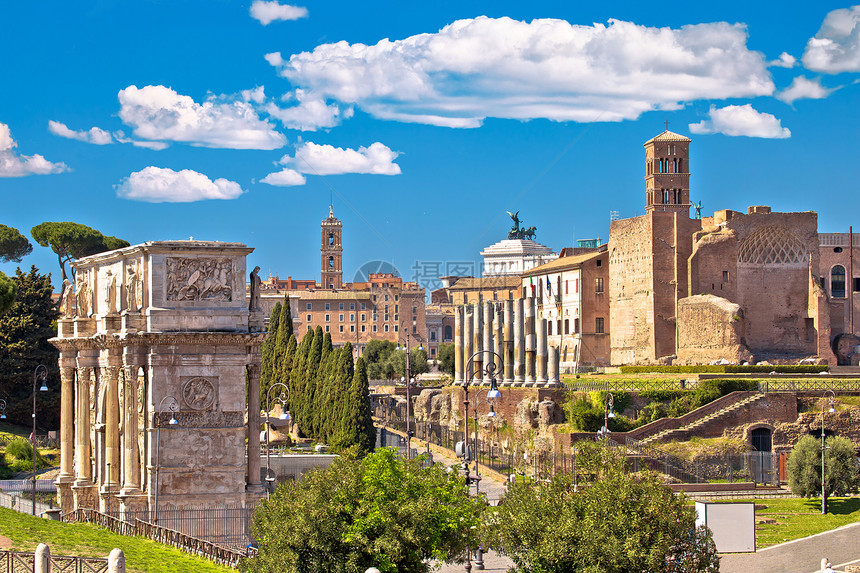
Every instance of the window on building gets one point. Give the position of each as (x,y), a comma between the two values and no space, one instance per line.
(363,328)
(414,329)
(341,317)
(385,328)
(352,317)
(856,284)
(433,335)
(465,298)
(340,306)
(414,310)
(309,306)
(385,309)
(395,317)
(328,318)
(374,298)
(576,326)
(395,298)
(395,328)
(352,306)
(599,263)
(386,298)
(363,306)
(374,328)
(396,307)
(837,282)
(386,318)
(558,326)
(309,318)
(331,239)
(575,285)
(725,276)
(375,317)
(331,262)
(598,325)
(432,352)
(837,249)
(598,285)
(449,333)
(567,326)
(327,328)
(363,317)
(341,328)
(352,328)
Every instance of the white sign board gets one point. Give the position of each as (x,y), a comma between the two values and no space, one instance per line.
(732,525)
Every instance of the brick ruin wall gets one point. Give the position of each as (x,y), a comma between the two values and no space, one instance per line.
(710,328)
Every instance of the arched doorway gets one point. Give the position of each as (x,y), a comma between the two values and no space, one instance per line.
(762,439)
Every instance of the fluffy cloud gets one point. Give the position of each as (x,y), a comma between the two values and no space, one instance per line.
(157,185)
(268,12)
(310,114)
(14,165)
(285,178)
(159,113)
(836,46)
(785,60)
(484,67)
(803,88)
(741,120)
(95,135)
(377,159)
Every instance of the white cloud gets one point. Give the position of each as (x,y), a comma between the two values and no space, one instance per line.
(119,135)
(95,135)
(785,60)
(310,114)
(268,12)
(484,67)
(157,185)
(741,120)
(377,159)
(836,46)
(803,88)
(256,95)
(285,178)
(159,113)
(14,165)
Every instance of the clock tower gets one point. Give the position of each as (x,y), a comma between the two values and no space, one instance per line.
(667,173)
(331,252)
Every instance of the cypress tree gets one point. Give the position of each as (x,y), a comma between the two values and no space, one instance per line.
(282,362)
(267,350)
(357,422)
(297,388)
(309,374)
(339,390)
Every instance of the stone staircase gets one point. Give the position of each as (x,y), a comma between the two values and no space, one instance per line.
(708,415)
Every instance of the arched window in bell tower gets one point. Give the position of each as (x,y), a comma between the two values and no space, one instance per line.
(331,262)
(331,239)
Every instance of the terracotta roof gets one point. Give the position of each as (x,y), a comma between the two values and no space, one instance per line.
(504,281)
(668,136)
(564,263)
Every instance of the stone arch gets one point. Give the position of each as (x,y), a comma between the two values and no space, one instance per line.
(760,437)
(772,245)
(837,281)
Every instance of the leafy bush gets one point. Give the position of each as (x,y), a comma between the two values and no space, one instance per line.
(21,453)
(840,467)
(662,395)
(587,416)
(620,400)
(621,522)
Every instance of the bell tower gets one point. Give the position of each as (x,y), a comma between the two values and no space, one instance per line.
(331,252)
(667,173)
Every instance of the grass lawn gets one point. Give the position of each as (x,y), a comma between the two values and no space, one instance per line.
(796,518)
(87,540)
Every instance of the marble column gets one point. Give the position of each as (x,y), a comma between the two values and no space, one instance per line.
(83,489)
(488,338)
(131,456)
(468,343)
(499,342)
(509,343)
(111,483)
(554,365)
(67,431)
(540,353)
(458,344)
(530,340)
(478,317)
(254,483)
(519,343)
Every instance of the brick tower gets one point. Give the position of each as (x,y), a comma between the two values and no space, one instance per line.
(331,252)
(667,173)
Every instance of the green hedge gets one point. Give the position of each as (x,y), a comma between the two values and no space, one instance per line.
(728,369)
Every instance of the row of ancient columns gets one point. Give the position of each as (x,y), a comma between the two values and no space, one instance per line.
(503,340)
(98,467)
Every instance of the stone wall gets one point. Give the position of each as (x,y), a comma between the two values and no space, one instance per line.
(710,328)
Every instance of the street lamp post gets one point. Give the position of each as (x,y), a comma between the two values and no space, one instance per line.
(490,414)
(408,379)
(172,407)
(607,413)
(2,409)
(488,369)
(823,488)
(285,415)
(40,375)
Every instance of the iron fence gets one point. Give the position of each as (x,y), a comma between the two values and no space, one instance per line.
(22,504)
(227,526)
(22,562)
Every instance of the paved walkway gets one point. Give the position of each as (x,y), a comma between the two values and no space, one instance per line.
(801,555)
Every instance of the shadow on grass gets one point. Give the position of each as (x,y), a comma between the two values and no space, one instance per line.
(836,506)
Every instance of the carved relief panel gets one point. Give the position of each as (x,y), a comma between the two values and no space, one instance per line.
(195,279)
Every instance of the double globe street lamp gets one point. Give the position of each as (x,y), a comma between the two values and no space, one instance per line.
(40,375)
(608,412)
(408,380)
(284,399)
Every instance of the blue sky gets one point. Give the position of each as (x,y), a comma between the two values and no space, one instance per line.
(233,121)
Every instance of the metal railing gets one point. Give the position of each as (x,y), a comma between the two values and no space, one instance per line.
(18,561)
(23,504)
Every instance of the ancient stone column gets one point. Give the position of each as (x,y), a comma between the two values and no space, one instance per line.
(459,313)
(67,430)
(488,338)
(468,343)
(478,317)
(83,488)
(499,340)
(110,484)
(530,340)
(508,344)
(131,457)
(519,343)
(254,483)
(554,364)
(540,354)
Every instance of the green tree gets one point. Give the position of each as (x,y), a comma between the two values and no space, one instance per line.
(840,467)
(13,245)
(267,351)
(8,292)
(24,333)
(381,511)
(357,421)
(618,522)
(281,360)
(446,358)
(72,241)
